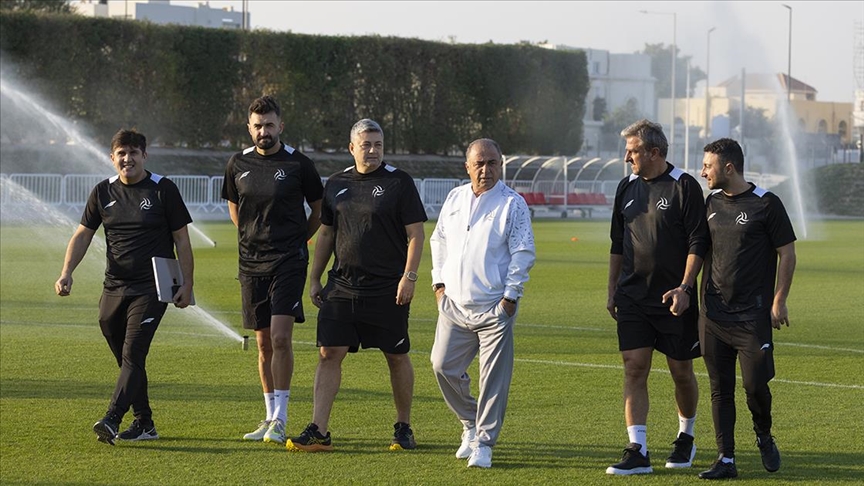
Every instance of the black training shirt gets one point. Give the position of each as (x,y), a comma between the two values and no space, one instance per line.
(746,230)
(138,221)
(656,224)
(269,191)
(368,213)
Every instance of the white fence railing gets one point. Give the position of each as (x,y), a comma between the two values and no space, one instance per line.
(202,194)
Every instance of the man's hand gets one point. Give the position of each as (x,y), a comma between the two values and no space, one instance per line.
(63,285)
(779,315)
(509,307)
(610,306)
(315,292)
(183,296)
(405,292)
(680,300)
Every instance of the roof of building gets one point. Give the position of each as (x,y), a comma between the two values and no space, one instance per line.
(767,82)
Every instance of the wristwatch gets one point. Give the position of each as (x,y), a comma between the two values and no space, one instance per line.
(412,276)
(438,286)
(686,288)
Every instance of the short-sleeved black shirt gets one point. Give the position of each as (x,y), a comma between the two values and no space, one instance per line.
(138,221)
(656,224)
(368,213)
(746,230)
(269,191)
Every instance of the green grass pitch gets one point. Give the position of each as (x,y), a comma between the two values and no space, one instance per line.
(565,417)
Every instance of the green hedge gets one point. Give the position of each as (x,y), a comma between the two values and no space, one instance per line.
(191,86)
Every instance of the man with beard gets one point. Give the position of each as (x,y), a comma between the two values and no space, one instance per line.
(266,186)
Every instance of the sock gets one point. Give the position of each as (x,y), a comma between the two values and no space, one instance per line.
(686,425)
(727,460)
(639,435)
(280,400)
(268,405)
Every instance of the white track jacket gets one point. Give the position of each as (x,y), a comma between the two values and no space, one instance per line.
(482,247)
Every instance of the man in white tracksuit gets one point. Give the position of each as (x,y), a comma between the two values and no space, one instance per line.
(482,250)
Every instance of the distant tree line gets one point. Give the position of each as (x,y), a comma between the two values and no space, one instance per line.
(191,86)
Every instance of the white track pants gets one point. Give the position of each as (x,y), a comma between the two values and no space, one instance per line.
(459,336)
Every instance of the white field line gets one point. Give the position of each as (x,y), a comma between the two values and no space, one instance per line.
(664,371)
(610,329)
(426,353)
(95,327)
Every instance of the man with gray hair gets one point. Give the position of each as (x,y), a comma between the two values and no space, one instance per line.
(372,222)
(482,250)
(659,238)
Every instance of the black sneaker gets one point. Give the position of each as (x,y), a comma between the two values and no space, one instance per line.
(106,429)
(720,470)
(139,431)
(769,452)
(632,463)
(403,437)
(683,452)
(310,441)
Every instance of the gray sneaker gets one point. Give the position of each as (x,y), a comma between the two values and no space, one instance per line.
(258,434)
(276,432)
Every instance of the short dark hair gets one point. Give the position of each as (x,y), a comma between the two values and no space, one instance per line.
(484,142)
(265,104)
(650,134)
(728,151)
(129,138)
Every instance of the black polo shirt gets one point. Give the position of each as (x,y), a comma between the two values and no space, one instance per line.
(138,221)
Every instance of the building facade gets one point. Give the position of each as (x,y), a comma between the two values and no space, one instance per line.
(163,12)
(614,80)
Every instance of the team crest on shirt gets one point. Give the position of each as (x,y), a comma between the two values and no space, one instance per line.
(145,204)
(663,204)
(377,191)
(279,175)
(742,218)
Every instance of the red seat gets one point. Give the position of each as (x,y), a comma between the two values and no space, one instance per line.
(539,198)
(599,199)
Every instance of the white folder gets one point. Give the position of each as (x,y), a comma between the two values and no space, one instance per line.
(168,278)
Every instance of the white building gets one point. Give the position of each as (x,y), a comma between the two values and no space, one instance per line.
(162,12)
(615,78)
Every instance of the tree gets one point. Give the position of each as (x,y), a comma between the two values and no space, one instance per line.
(618,120)
(661,69)
(53,6)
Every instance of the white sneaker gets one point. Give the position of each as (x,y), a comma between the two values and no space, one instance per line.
(481,456)
(276,432)
(464,451)
(258,434)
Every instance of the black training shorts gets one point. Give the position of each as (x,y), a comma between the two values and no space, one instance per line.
(370,322)
(276,295)
(675,336)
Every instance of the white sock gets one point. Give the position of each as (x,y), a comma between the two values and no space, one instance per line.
(686,425)
(268,405)
(727,460)
(639,435)
(280,401)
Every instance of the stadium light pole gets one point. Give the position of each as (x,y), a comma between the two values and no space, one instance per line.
(789,65)
(674,58)
(707,85)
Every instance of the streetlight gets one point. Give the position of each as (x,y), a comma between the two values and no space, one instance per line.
(674,56)
(789,67)
(707,85)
